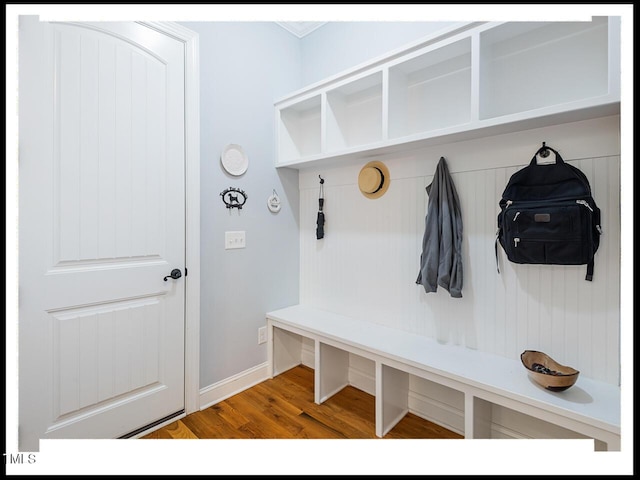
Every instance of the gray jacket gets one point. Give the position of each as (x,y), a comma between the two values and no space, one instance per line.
(441,259)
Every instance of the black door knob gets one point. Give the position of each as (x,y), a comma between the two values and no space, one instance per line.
(175,274)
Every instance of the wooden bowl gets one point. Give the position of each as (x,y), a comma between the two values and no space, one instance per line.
(547,372)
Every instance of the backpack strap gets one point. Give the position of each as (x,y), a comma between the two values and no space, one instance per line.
(496,246)
(589,276)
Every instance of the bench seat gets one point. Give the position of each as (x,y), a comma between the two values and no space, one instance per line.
(590,407)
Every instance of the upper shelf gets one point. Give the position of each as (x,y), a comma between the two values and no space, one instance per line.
(496,77)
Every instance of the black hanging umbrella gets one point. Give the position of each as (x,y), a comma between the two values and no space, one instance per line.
(320,219)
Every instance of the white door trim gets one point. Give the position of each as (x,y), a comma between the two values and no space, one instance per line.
(192,215)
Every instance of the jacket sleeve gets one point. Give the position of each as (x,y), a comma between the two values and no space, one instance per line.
(441,258)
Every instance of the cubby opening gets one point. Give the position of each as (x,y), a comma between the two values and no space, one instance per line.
(300,127)
(287,350)
(354,113)
(431,91)
(531,65)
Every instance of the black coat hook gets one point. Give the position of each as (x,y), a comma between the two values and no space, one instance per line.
(544,151)
(320,217)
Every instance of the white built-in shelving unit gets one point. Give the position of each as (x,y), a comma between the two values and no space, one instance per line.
(472,80)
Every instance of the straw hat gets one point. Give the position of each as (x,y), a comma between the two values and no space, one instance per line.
(374,179)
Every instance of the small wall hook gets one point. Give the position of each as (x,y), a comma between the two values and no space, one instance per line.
(321,179)
(544,151)
(273,202)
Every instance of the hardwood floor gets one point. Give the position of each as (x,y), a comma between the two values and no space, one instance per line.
(283,407)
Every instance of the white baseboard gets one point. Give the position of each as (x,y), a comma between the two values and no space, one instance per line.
(436,412)
(230,386)
(362,380)
(499,431)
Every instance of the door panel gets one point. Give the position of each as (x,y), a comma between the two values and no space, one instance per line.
(110,166)
(105,351)
(102,222)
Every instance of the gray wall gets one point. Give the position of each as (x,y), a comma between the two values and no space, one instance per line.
(244,67)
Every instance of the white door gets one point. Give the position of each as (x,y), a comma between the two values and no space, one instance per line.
(101,224)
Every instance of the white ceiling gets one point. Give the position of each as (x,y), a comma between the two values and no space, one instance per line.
(300,29)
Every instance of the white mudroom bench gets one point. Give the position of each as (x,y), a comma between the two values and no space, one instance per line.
(590,408)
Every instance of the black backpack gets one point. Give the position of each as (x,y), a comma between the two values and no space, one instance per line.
(548,215)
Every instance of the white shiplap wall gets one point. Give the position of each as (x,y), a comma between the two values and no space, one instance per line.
(367,264)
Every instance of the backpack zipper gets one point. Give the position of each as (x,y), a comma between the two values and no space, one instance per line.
(517,240)
(555,201)
(580,202)
(584,202)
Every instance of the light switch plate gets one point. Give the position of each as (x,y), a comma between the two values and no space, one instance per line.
(234,240)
